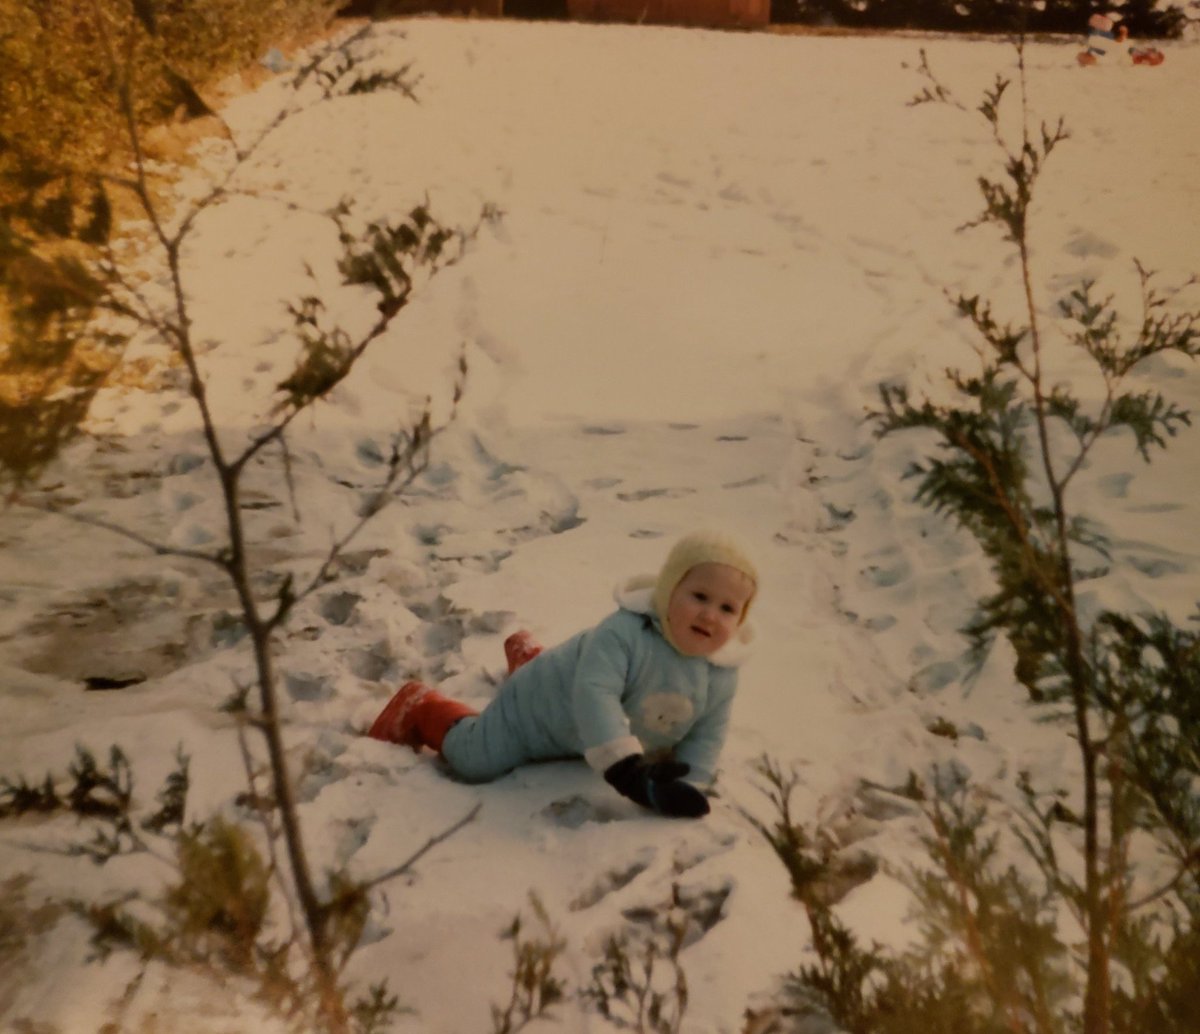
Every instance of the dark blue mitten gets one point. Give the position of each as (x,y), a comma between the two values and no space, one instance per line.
(657,785)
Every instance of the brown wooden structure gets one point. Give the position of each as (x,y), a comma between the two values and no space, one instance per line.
(742,14)
(381,9)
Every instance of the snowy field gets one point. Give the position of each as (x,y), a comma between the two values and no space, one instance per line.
(715,246)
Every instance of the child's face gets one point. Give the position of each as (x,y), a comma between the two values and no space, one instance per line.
(706,608)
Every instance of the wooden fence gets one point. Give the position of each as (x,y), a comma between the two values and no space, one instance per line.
(745,14)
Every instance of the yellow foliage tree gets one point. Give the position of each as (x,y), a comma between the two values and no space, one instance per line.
(66,69)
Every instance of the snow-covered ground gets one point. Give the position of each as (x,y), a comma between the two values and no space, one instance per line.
(715,246)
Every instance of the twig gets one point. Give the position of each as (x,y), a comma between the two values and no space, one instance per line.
(157,548)
(425,848)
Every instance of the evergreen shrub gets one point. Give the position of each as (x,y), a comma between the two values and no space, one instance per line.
(1083,918)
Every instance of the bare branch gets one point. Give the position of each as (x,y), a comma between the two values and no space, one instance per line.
(406,462)
(91,520)
(423,850)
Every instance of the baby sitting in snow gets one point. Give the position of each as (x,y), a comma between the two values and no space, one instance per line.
(644,696)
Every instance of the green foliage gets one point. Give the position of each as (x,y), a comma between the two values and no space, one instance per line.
(1164,328)
(536,987)
(1161,995)
(1006,198)
(1009,446)
(839,983)
(637,983)
(629,988)
(807,863)
(994,451)
(385,257)
(22,797)
(345,916)
(993,955)
(104,796)
(980,478)
(1007,924)
(97,792)
(373,1013)
(215,912)
(19,919)
(1148,673)
(871,991)
(821,874)
(116,929)
(326,356)
(342,76)
(988,959)
(172,799)
(213,916)
(218,907)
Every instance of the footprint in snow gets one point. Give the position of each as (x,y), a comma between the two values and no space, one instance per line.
(1115,486)
(1084,243)
(338,608)
(887,575)
(750,482)
(700,907)
(687,857)
(374,663)
(611,881)
(671,180)
(573,812)
(654,493)
(1156,508)
(1155,567)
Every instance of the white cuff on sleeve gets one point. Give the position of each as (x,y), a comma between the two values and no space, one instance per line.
(605,754)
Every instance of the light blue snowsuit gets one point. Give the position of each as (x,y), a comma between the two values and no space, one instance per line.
(616,689)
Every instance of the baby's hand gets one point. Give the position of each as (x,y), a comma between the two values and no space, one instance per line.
(657,785)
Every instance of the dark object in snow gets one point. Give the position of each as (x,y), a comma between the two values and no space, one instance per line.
(103,682)
(574,811)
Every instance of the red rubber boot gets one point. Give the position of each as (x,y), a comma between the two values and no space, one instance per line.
(418,716)
(520,649)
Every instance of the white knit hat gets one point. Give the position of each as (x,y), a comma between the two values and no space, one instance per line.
(700,547)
